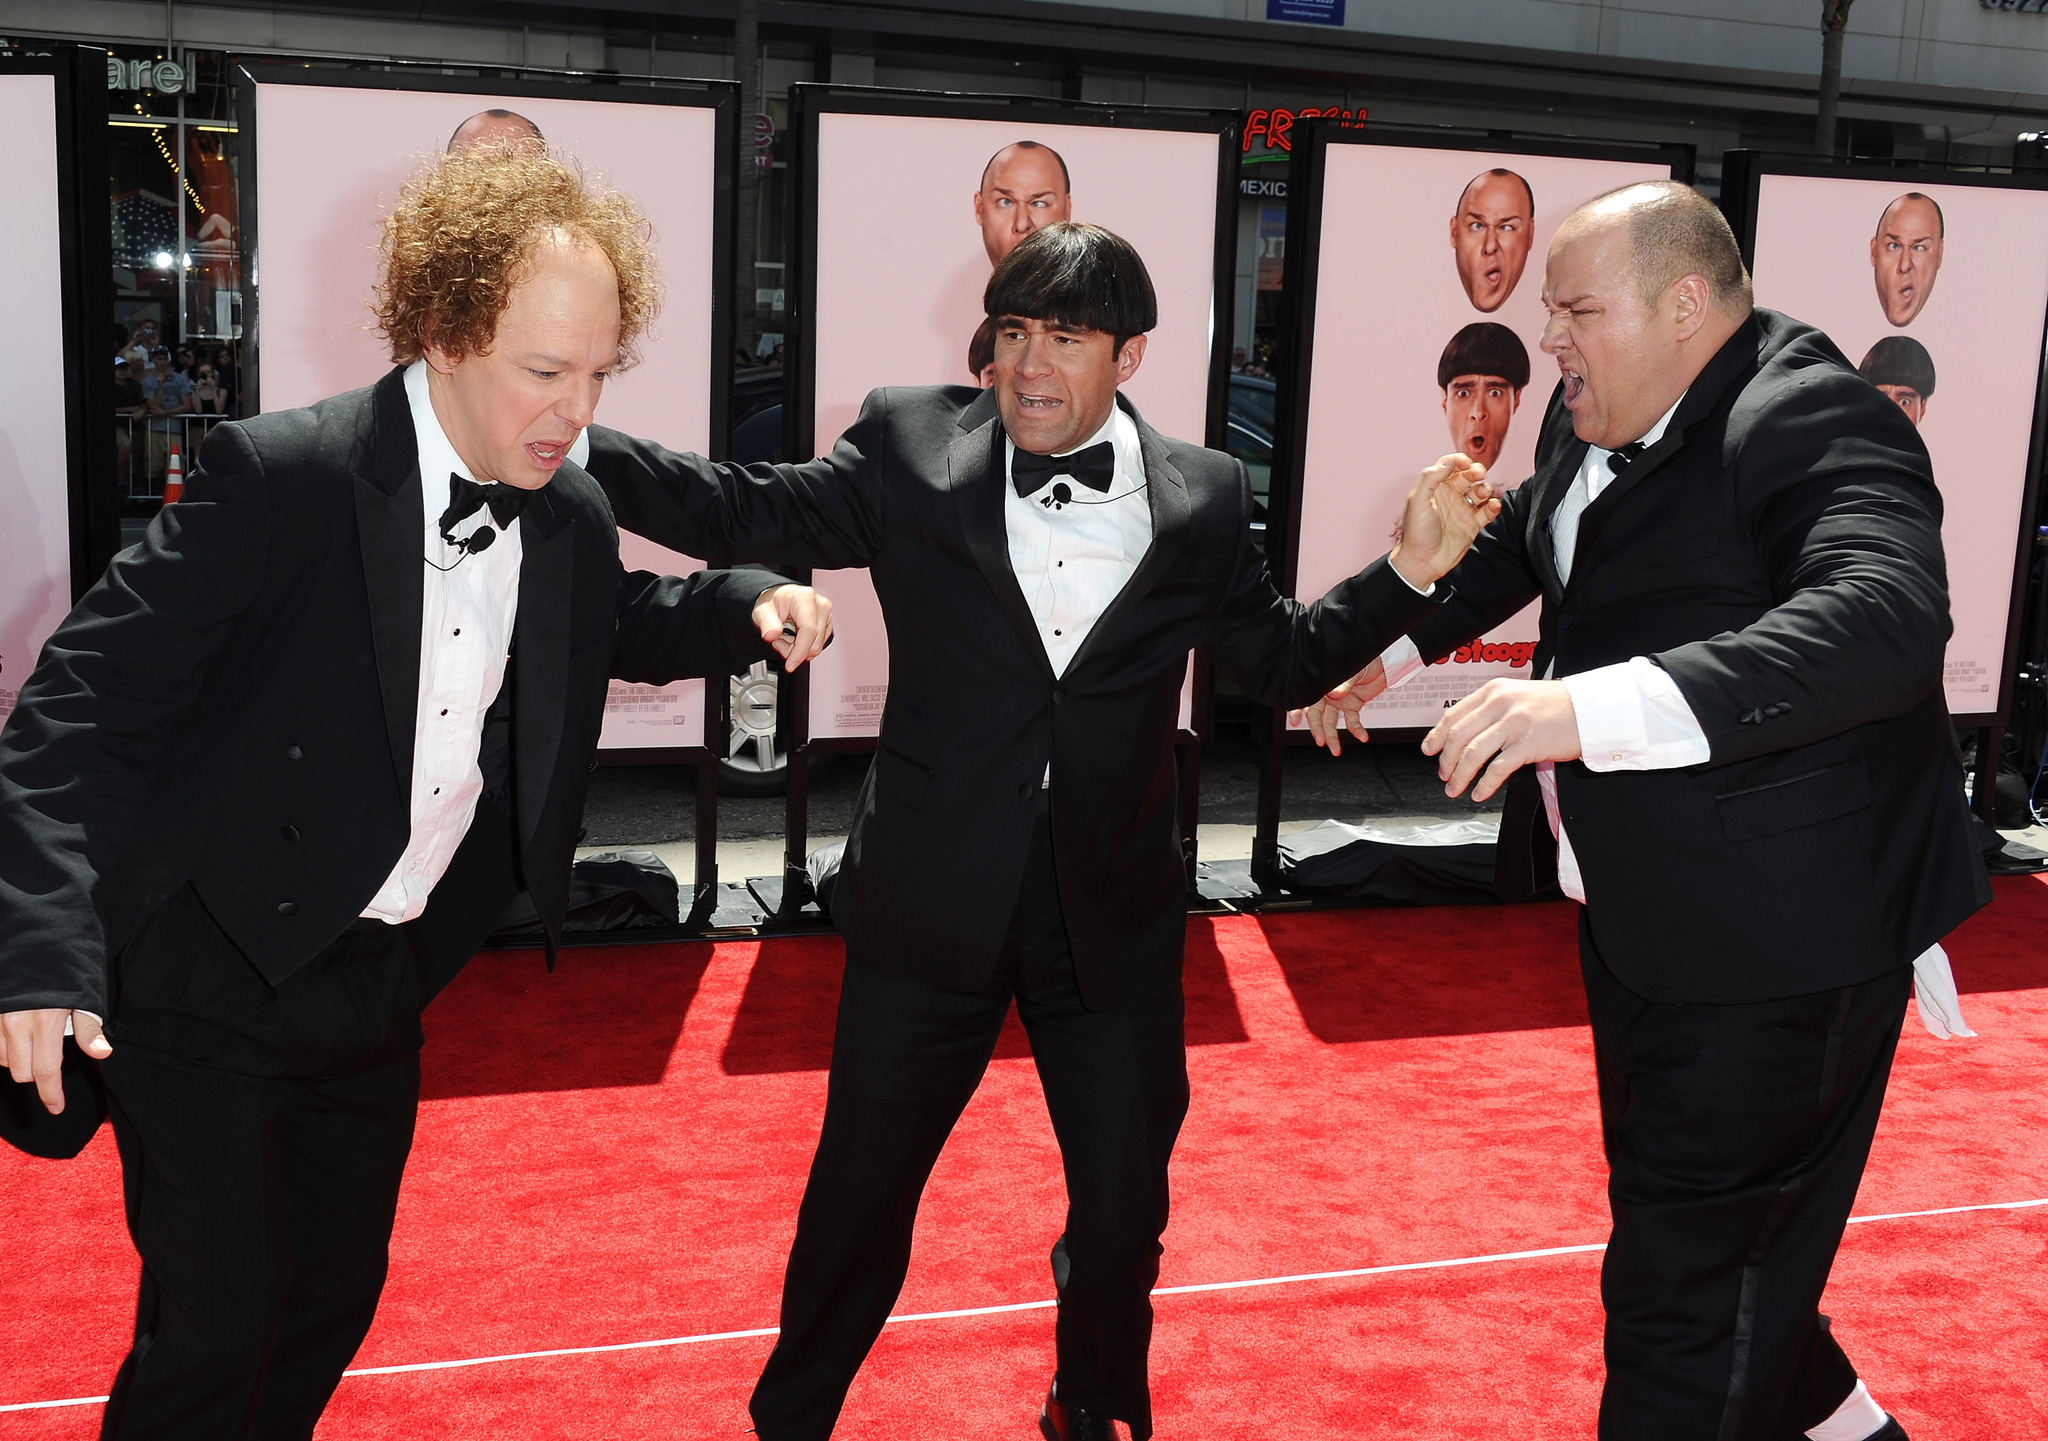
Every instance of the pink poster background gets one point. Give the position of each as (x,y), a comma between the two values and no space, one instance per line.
(1388,300)
(1982,325)
(330,161)
(35,526)
(901,269)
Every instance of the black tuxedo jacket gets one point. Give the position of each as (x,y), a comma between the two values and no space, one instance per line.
(1778,552)
(232,706)
(914,491)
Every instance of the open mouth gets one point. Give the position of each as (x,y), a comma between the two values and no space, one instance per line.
(1039,403)
(1475,446)
(1493,276)
(548,454)
(1574,387)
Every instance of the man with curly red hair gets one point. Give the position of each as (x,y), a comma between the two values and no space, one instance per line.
(283,767)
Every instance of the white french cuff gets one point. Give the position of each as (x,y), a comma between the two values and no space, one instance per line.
(1633,717)
(1400,661)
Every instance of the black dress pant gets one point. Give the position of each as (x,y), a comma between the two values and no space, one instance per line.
(1736,1136)
(263,1131)
(907,1057)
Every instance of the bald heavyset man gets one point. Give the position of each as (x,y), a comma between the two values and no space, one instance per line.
(1751,786)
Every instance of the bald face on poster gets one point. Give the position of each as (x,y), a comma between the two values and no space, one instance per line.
(496,126)
(1905,255)
(1491,231)
(1024,185)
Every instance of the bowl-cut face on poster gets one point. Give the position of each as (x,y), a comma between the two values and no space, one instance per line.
(1482,372)
(1491,232)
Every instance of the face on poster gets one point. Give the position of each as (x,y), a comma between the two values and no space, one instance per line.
(1428,329)
(330,163)
(35,527)
(1937,294)
(913,214)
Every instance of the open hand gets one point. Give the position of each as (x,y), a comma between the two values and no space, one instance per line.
(32,1049)
(1510,723)
(796,621)
(1338,710)
(1449,506)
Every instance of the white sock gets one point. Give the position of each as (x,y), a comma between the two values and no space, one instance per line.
(1856,1418)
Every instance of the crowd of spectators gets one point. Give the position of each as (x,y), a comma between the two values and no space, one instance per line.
(164,397)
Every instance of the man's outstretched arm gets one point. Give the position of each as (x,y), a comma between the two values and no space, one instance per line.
(1286,653)
(824,514)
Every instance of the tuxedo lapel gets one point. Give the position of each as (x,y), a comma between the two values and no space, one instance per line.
(390,526)
(974,471)
(540,653)
(1166,493)
(1551,485)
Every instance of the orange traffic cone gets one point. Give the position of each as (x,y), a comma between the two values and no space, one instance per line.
(174,476)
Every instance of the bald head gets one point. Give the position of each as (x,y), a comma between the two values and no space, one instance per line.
(1024,186)
(1673,231)
(1644,285)
(496,127)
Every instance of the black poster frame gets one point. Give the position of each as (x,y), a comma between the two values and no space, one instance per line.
(808,103)
(1741,185)
(720,96)
(1314,137)
(85,270)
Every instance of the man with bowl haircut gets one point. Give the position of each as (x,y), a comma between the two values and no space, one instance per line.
(1905,255)
(1740,759)
(1482,373)
(284,766)
(1900,366)
(1045,561)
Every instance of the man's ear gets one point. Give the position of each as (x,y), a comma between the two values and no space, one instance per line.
(1514,401)
(1692,298)
(1130,358)
(439,359)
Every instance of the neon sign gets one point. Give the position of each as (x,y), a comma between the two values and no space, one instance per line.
(1276,126)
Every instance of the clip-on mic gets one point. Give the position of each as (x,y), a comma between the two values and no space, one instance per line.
(475,543)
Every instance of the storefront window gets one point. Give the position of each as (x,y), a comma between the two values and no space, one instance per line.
(175,220)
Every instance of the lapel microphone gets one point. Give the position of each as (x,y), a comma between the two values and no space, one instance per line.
(476,542)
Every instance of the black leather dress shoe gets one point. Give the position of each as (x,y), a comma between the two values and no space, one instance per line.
(1890,1431)
(1061,1422)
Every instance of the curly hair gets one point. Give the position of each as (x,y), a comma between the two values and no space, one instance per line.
(455,245)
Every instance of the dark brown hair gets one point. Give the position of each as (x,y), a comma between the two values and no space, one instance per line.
(1078,275)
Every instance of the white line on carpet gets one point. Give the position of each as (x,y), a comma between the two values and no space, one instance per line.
(1046,1305)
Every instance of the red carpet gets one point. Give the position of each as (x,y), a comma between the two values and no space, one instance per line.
(614,1155)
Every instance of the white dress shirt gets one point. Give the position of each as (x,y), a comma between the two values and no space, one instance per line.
(465,634)
(1071,560)
(1633,717)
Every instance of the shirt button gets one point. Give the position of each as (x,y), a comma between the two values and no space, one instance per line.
(1024,790)
(458,630)
(1617,755)
(287,908)
(1059,697)
(444,711)
(290,833)
(1059,632)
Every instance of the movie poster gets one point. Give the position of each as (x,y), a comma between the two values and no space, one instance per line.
(330,162)
(1427,340)
(1937,294)
(913,214)
(35,465)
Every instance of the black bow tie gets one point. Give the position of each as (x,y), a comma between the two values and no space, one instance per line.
(466,498)
(1620,460)
(1094,467)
